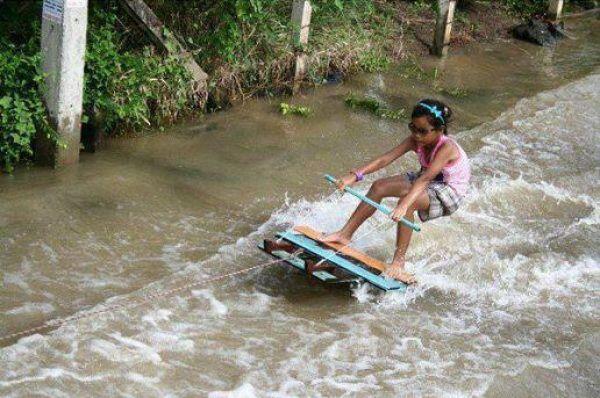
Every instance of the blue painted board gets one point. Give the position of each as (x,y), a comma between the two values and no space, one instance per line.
(311,246)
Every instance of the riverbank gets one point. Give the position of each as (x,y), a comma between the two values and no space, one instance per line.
(247,52)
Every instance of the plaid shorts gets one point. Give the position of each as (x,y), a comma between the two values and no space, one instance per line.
(443,200)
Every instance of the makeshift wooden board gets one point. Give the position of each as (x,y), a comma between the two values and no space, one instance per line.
(329,255)
(345,250)
(300,264)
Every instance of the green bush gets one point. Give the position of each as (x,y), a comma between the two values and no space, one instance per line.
(527,7)
(532,7)
(131,90)
(22,113)
(246,47)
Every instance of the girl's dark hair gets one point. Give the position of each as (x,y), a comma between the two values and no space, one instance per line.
(439,121)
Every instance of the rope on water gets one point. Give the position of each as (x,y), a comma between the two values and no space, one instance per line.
(115,307)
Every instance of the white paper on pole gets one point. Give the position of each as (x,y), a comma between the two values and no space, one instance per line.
(53,10)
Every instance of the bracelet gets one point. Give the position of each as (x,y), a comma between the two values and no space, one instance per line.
(359,176)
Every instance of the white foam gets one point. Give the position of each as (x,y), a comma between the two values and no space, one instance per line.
(246,390)
(163,341)
(143,351)
(32,308)
(141,379)
(216,306)
(17,279)
(158,316)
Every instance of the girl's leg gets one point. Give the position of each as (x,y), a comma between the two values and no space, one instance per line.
(396,269)
(396,186)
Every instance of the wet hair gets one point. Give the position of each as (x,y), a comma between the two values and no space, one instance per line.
(438,114)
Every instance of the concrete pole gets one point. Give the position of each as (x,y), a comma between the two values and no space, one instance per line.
(64,27)
(443,27)
(555,9)
(301,13)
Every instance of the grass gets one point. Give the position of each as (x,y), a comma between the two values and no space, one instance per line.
(244,45)
(249,51)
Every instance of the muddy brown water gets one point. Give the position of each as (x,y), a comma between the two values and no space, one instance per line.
(508,297)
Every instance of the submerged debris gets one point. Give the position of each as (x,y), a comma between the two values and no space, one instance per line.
(374,106)
(456,92)
(287,109)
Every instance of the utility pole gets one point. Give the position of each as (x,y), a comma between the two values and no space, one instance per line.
(64,27)
(443,27)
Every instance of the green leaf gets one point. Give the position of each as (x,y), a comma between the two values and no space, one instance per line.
(16,138)
(5,101)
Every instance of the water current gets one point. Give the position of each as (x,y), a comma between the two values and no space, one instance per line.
(507,302)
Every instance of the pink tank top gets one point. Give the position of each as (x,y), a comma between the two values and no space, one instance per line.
(457,173)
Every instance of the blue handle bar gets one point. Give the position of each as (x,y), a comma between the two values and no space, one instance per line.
(376,205)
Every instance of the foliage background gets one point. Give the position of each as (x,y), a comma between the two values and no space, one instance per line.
(244,45)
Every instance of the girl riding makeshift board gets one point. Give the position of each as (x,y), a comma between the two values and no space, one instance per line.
(436,190)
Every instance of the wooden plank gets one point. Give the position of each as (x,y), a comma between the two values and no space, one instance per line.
(343,249)
(346,251)
(157,32)
(313,247)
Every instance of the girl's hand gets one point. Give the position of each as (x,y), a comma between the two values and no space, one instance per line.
(399,212)
(347,180)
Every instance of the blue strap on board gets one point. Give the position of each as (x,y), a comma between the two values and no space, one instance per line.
(376,205)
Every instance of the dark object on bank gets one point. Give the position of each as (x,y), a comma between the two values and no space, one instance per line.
(92,132)
(537,31)
(333,77)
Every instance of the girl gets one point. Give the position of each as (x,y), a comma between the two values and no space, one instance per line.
(435,191)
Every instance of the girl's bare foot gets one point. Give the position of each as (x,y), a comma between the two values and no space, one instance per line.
(337,237)
(396,271)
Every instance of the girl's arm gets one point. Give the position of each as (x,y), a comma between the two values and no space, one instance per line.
(378,163)
(446,154)
(387,158)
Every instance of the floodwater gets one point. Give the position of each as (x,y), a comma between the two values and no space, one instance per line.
(507,301)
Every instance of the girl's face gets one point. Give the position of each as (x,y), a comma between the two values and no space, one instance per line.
(423,132)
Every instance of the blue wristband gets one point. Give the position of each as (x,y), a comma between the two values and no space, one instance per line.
(359,176)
